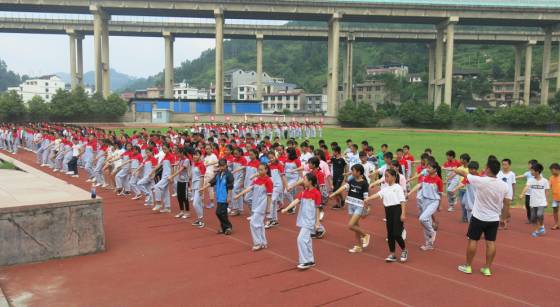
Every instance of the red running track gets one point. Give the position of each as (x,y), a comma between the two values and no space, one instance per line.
(157,260)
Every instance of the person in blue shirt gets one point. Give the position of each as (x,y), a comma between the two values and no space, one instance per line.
(223,183)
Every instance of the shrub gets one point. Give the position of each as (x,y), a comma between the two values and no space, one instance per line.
(359,114)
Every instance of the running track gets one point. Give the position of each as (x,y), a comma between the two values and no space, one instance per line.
(157,260)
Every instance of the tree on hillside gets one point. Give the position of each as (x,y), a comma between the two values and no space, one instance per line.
(12,108)
(8,78)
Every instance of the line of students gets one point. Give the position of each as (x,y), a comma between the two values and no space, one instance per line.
(264,178)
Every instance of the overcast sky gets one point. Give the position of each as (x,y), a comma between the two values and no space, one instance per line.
(35,55)
(39,54)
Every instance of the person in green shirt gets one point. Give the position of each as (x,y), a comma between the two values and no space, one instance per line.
(380,161)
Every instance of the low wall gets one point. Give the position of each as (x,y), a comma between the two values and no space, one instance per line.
(43,217)
(42,232)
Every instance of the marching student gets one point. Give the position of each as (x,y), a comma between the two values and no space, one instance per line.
(554,182)
(293,174)
(76,153)
(309,201)
(182,174)
(339,168)
(279,185)
(198,178)
(431,189)
(135,161)
(394,202)
(146,181)
(122,178)
(451,179)
(357,188)
(210,160)
(528,175)
(238,164)
(223,183)
(99,162)
(161,189)
(468,197)
(538,186)
(507,176)
(261,192)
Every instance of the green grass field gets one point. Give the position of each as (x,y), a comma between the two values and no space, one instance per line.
(519,149)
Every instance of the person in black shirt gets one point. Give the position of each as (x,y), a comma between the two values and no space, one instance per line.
(357,188)
(339,167)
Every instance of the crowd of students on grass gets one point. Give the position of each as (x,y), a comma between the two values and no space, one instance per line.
(260,170)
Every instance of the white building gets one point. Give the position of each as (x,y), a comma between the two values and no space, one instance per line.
(315,103)
(236,78)
(246,92)
(184,91)
(398,70)
(278,102)
(44,87)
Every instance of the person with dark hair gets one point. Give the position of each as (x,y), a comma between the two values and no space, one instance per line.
(307,219)
(293,174)
(381,155)
(261,189)
(451,179)
(223,183)
(459,189)
(554,182)
(507,176)
(161,189)
(339,168)
(182,174)
(538,186)
(357,188)
(431,190)
(467,200)
(278,175)
(528,175)
(491,194)
(198,178)
(394,202)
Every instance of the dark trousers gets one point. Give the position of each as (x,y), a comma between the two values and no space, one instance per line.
(394,227)
(182,195)
(528,206)
(222,214)
(73,165)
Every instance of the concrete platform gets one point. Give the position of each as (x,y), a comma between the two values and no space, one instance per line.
(42,217)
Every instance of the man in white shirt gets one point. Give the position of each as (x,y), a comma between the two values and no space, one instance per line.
(492,198)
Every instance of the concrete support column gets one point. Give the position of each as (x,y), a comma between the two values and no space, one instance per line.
(558,70)
(438,69)
(517,74)
(332,95)
(449,59)
(219,16)
(97,29)
(431,72)
(528,67)
(105,56)
(546,64)
(260,38)
(329,60)
(72,58)
(80,56)
(348,63)
(169,73)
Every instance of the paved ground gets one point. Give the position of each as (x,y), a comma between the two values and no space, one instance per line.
(154,259)
(15,186)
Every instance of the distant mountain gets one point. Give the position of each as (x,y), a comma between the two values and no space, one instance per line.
(118,79)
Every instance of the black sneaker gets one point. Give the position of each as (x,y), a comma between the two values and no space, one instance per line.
(227,232)
(404,256)
(319,234)
(271,224)
(292,211)
(391,258)
(305,266)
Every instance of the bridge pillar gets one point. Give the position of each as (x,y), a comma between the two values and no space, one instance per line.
(73,61)
(546,64)
(438,69)
(449,59)
(348,63)
(558,70)
(334,45)
(169,73)
(528,67)
(97,29)
(105,57)
(259,46)
(517,74)
(219,16)
(431,72)
(80,59)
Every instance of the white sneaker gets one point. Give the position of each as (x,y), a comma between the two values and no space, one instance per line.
(89,180)
(75,176)
(55,170)
(174,195)
(450,209)
(69,173)
(165,210)
(98,184)
(156,208)
(180,214)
